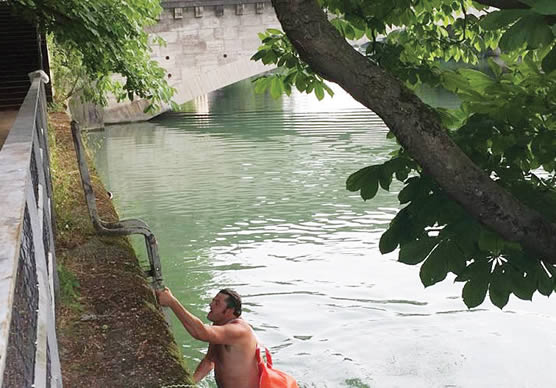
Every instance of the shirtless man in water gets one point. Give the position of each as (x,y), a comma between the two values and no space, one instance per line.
(232,343)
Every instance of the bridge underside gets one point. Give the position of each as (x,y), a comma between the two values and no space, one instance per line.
(206,49)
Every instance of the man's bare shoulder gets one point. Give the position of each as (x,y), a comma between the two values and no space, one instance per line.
(242,326)
(240,322)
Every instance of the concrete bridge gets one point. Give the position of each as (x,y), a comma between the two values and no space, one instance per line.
(209,44)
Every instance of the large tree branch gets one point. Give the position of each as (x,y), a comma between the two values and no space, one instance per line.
(416,126)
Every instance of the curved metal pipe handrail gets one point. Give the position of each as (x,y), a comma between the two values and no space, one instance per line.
(120,228)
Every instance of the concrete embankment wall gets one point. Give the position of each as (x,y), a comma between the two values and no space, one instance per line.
(110,331)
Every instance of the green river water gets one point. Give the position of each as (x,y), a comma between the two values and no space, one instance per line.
(249,192)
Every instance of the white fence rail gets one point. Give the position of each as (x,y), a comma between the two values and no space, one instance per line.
(28,345)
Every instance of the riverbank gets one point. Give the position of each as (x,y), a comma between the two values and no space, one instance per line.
(110,332)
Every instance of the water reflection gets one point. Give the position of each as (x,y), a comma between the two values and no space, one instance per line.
(252,196)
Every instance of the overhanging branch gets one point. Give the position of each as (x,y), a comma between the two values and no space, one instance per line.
(416,126)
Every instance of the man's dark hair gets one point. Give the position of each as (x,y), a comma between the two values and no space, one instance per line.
(233,300)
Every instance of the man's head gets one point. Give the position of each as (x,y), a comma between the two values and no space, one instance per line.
(226,305)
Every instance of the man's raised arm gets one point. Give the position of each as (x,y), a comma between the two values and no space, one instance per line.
(227,334)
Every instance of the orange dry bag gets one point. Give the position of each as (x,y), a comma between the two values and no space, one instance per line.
(270,377)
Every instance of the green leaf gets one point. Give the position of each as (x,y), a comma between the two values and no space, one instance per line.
(545,282)
(499,19)
(365,180)
(478,270)
(435,268)
(370,187)
(291,61)
(474,292)
(301,82)
(328,90)
(456,259)
(274,31)
(385,177)
(545,7)
(349,32)
(290,78)
(402,174)
(465,233)
(549,61)
(477,78)
(269,57)
(319,91)
(499,290)
(454,81)
(416,251)
(409,191)
(540,35)
(494,67)
(400,167)
(276,87)
(523,285)
(261,84)
(516,36)
(489,241)
(531,29)
(388,241)
(258,55)
(360,178)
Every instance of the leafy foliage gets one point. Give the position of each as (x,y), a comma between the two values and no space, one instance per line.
(101,38)
(277,49)
(69,75)
(502,66)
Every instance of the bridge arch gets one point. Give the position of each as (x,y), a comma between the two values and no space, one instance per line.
(209,44)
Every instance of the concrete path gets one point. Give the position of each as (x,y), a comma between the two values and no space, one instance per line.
(7,119)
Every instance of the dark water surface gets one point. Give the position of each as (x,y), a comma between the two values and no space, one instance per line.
(249,192)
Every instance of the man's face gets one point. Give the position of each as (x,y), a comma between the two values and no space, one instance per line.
(219,310)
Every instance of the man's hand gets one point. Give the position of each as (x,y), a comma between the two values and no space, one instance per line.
(165,297)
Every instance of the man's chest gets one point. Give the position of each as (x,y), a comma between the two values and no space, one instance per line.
(223,352)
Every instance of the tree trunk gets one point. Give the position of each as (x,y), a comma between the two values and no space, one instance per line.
(416,126)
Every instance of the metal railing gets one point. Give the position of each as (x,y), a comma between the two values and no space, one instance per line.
(121,227)
(28,278)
